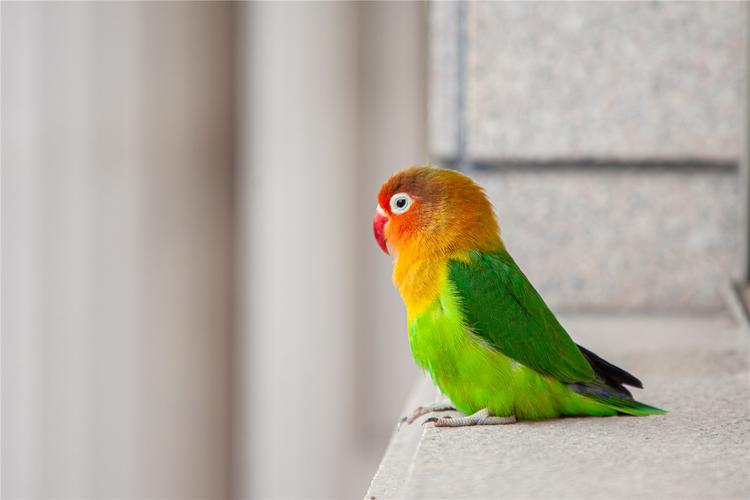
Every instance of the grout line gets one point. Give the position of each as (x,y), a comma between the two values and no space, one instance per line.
(686,165)
(461,163)
(745,162)
(584,163)
(737,305)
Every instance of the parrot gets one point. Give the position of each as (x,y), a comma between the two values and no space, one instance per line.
(475,323)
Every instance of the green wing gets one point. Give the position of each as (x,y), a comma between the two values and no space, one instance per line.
(502,307)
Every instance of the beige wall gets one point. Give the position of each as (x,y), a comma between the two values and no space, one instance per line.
(166,166)
(116,219)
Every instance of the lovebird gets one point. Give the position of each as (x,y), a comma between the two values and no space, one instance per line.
(475,322)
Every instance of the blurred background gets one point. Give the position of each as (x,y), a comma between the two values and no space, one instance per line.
(192,302)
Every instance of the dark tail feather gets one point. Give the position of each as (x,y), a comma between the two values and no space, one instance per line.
(610,389)
(611,374)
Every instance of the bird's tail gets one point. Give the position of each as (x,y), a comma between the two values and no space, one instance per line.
(627,406)
(609,388)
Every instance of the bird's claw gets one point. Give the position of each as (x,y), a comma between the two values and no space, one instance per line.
(424,410)
(482,417)
(433,420)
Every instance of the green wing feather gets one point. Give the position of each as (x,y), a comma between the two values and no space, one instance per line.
(503,308)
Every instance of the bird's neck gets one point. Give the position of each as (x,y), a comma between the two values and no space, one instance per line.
(419,281)
(420,274)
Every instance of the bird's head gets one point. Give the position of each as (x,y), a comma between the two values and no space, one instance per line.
(429,211)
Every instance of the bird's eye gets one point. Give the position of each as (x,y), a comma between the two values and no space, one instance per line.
(400,203)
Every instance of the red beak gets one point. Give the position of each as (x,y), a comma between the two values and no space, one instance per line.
(378,228)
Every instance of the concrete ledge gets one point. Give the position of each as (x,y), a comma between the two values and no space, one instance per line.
(696,367)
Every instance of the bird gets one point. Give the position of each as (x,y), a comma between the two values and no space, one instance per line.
(475,323)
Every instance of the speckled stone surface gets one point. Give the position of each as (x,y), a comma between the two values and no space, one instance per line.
(619,239)
(696,367)
(626,80)
(443,79)
(611,90)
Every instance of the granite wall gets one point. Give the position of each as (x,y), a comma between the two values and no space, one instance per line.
(610,138)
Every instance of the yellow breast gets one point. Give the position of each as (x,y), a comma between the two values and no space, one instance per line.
(421,281)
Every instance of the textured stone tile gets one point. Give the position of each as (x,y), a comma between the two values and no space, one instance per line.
(699,451)
(443,79)
(567,80)
(621,240)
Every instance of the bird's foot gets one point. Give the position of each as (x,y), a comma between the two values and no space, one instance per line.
(424,410)
(482,417)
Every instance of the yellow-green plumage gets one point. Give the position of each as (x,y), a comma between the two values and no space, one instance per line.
(475,375)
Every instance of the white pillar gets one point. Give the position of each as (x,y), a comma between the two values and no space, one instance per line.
(116,214)
(298,165)
(334,103)
(392,131)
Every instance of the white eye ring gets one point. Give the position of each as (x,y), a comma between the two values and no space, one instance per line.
(400,203)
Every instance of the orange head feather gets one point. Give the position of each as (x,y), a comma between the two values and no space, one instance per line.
(426,212)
